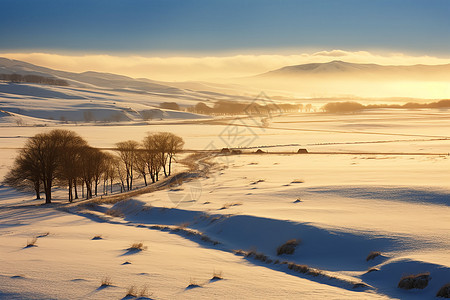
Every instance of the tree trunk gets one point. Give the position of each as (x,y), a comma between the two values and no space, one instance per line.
(37,189)
(70,191)
(48,190)
(75,188)
(145,179)
(170,164)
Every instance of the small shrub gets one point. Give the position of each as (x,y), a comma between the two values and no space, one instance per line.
(217,275)
(258,181)
(115,213)
(43,235)
(230,204)
(31,243)
(444,291)
(257,255)
(288,247)
(143,293)
(193,284)
(297,181)
(106,281)
(137,247)
(132,291)
(240,252)
(298,268)
(372,255)
(372,270)
(419,281)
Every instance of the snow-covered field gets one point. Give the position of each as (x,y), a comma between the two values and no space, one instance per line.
(374,181)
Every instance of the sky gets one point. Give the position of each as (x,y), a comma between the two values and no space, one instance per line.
(123,31)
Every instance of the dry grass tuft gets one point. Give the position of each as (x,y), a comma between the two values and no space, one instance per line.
(193,284)
(297,181)
(372,270)
(137,247)
(444,291)
(304,269)
(31,243)
(217,275)
(288,247)
(144,293)
(230,204)
(115,213)
(419,281)
(372,255)
(43,235)
(132,291)
(106,281)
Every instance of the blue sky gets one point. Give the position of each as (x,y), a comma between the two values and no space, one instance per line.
(212,26)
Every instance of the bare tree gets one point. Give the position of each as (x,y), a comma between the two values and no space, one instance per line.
(174,145)
(127,152)
(92,162)
(151,156)
(25,174)
(46,149)
(69,159)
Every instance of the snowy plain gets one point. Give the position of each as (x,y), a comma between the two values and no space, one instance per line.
(372,181)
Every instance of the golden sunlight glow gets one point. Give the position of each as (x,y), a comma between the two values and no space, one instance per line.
(184,68)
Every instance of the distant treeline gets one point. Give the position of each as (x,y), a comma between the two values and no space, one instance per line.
(33,79)
(223,107)
(351,106)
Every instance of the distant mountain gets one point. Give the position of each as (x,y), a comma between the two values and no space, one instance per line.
(346,69)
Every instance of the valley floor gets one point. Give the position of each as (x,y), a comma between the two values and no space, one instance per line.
(340,207)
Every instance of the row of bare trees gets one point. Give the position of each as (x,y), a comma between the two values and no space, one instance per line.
(63,158)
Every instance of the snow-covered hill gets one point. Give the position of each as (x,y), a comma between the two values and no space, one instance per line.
(95,97)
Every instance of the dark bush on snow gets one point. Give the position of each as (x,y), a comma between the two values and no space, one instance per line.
(288,247)
(419,281)
(372,255)
(444,292)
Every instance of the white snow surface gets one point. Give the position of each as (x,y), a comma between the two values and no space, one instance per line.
(375,181)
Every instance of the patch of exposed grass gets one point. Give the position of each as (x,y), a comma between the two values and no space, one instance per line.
(230,204)
(138,246)
(288,247)
(115,213)
(419,281)
(444,291)
(372,255)
(258,181)
(297,181)
(43,235)
(31,243)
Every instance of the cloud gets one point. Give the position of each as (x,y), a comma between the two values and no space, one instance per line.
(333,53)
(182,68)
